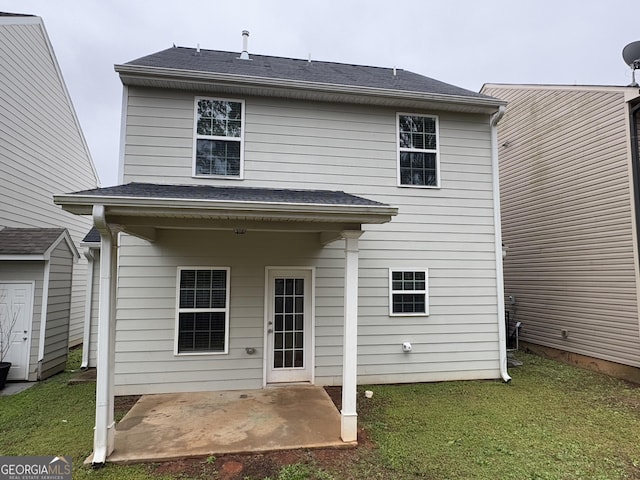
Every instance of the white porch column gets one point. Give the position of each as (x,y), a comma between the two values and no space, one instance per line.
(349,417)
(103,440)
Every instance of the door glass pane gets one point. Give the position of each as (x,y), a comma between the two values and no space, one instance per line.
(277,359)
(298,358)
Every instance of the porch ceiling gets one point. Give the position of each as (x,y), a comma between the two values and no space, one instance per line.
(139,209)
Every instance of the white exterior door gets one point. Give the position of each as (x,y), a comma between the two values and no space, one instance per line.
(289,326)
(16,306)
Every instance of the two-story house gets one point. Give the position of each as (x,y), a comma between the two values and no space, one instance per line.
(291,221)
(42,151)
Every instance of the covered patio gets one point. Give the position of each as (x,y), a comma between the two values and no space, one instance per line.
(145,211)
(190,425)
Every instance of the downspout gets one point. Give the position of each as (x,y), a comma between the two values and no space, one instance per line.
(44,310)
(87,310)
(502,330)
(635,161)
(103,440)
(634,155)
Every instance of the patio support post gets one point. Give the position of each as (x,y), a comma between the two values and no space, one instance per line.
(348,415)
(103,440)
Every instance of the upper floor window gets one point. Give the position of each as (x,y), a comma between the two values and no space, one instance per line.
(219,138)
(418,162)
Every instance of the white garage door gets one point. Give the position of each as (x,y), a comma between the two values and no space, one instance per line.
(16,306)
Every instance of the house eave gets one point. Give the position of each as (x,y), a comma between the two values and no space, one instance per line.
(226,210)
(161,77)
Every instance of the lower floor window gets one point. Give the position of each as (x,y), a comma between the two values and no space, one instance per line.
(408,292)
(203,310)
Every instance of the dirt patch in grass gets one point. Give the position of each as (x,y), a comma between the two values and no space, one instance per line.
(121,405)
(338,461)
(335,393)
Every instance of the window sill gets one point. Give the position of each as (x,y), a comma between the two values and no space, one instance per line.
(221,177)
(428,187)
(198,354)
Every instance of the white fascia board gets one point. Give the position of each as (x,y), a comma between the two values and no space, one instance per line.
(20,258)
(83,205)
(131,71)
(20,20)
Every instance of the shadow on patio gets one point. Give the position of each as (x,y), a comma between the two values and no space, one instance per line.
(183,425)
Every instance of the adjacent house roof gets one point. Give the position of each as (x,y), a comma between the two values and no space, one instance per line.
(36,242)
(224,72)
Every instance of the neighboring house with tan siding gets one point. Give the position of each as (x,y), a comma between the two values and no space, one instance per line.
(42,152)
(283,221)
(569,196)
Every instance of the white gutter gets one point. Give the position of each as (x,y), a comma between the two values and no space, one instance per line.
(167,207)
(88,253)
(502,331)
(88,201)
(103,440)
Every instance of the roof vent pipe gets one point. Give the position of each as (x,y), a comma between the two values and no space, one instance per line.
(245,45)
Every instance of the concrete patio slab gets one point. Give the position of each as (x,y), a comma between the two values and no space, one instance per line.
(187,425)
(12,388)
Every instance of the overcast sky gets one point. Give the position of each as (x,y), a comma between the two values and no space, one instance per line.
(463,42)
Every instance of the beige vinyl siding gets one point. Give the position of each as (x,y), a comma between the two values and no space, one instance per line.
(28,271)
(145,362)
(567,219)
(291,144)
(56,344)
(42,151)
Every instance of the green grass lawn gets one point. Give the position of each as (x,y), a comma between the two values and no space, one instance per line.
(552,421)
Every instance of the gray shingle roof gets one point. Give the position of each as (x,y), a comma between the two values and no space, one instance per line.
(7,14)
(214,61)
(239,194)
(93,236)
(27,241)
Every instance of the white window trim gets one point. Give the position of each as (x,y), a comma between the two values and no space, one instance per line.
(436,151)
(425,291)
(196,137)
(196,310)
